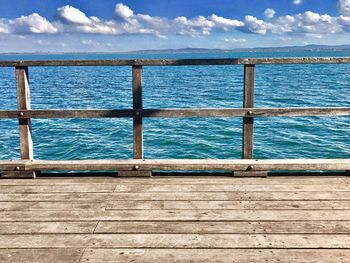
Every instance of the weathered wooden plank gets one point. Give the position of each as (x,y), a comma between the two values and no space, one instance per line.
(248,102)
(65,255)
(12,165)
(137,106)
(25,126)
(175,215)
(72,113)
(179,62)
(58,188)
(105,188)
(47,227)
(217,255)
(260,227)
(193,164)
(180,180)
(176,241)
(177,196)
(215,188)
(177,113)
(220,205)
(53,206)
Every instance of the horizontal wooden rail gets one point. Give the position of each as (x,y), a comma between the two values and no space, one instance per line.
(247,166)
(179,164)
(176,62)
(175,113)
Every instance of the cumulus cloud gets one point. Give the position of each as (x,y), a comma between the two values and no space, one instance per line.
(303,23)
(269,13)
(32,24)
(126,21)
(344,7)
(72,15)
(297,2)
(72,19)
(123,11)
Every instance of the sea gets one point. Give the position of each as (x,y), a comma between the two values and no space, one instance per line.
(180,87)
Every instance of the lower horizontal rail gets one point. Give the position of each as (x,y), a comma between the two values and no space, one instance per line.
(176,113)
(179,164)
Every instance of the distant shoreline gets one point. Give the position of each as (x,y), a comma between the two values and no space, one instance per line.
(310,48)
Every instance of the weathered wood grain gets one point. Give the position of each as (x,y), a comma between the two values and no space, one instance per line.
(217,255)
(177,196)
(180,180)
(12,165)
(176,113)
(218,188)
(77,227)
(176,241)
(195,164)
(179,62)
(248,102)
(65,255)
(25,124)
(105,188)
(259,221)
(137,106)
(175,215)
(23,100)
(220,205)
(53,206)
(259,227)
(58,188)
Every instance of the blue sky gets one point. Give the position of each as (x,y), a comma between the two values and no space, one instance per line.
(112,26)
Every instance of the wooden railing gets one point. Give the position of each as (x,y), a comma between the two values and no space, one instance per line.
(246,166)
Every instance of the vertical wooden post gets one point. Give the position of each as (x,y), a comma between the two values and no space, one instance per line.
(137,106)
(25,124)
(248,123)
(248,102)
(137,125)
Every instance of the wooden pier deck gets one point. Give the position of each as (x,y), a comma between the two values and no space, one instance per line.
(175,219)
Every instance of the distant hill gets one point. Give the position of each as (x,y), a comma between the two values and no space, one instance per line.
(257,49)
(208,50)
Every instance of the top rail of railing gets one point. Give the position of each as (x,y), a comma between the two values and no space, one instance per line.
(176,62)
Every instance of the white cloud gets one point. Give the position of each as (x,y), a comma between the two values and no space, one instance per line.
(269,13)
(235,40)
(344,7)
(3,27)
(225,23)
(74,20)
(32,24)
(126,21)
(72,15)
(254,25)
(123,11)
(297,2)
(303,23)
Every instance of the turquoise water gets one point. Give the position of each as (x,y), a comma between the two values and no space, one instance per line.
(181,87)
